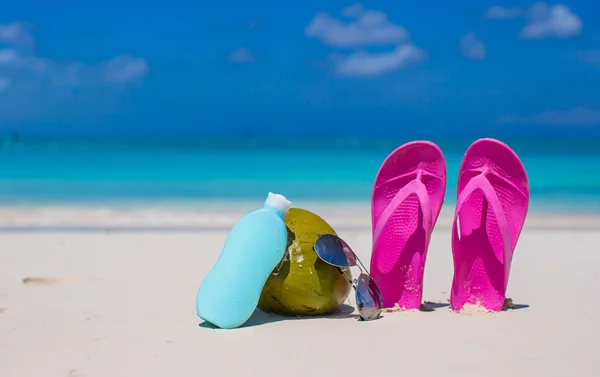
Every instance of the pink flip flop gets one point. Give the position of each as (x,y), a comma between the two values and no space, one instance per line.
(407,198)
(493,198)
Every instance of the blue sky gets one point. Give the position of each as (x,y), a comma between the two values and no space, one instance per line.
(377,68)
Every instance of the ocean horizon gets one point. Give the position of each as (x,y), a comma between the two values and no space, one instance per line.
(563,174)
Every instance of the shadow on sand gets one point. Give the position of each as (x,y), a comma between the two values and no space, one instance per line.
(343,312)
(509,305)
(260,318)
(429,306)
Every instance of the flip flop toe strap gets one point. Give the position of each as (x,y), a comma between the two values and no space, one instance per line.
(482,183)
(415,187)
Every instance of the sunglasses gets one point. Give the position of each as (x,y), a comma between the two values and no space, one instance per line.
(335,251)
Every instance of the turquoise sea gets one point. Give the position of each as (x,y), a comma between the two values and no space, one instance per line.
(563,174)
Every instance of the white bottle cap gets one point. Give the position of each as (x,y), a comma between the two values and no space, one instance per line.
(278,201)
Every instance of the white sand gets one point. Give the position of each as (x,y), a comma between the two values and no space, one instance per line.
(122,303)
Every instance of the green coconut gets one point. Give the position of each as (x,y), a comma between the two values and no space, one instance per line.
(302,284)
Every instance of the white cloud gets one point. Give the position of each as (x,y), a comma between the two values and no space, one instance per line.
(36,87)
(367,64)
(365,27)
(241,55)
(11,60)
(472,47)
(15,34)
(26,70)
(579,116)
(551,21)
(543,20)
(498,12)
(8,57)
(123,69)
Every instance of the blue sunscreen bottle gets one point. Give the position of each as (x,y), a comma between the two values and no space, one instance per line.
(255,245)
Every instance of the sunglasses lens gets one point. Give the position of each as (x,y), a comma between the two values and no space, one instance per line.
(368,298)
(335,251)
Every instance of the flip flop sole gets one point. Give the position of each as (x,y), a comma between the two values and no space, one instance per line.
(407,198)
(493,198)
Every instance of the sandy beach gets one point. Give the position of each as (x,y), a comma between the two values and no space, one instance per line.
(92,291)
